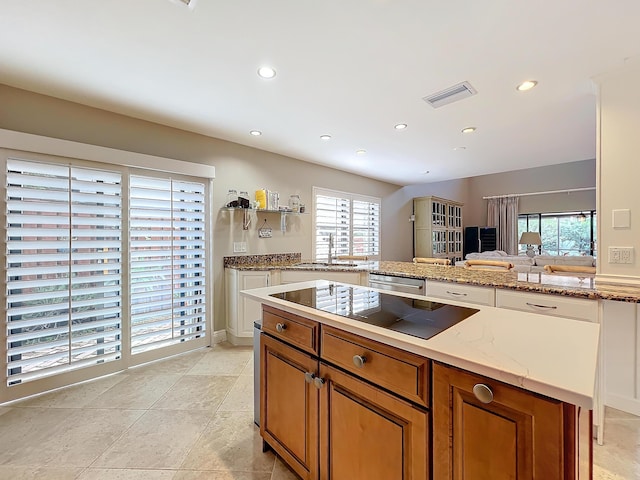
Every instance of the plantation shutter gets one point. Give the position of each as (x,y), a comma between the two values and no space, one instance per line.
(63,271)
(167,262)
(333,216)
(354,221)
(366,228)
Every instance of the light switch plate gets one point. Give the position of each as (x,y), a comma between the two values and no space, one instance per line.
(621,218)
(239,247)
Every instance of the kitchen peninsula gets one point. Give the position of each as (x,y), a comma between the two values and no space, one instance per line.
(500,394)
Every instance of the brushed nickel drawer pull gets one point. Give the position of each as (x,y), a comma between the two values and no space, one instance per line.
(550,307)
(308,377)
(483,393)
(280,327)
(457,294)
(359,360)
(318,382)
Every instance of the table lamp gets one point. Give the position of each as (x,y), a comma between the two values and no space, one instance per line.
(530,239)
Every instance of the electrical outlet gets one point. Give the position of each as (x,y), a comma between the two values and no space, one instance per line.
(621,255)
(239,247)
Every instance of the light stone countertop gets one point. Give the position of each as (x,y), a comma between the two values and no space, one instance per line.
(552,356)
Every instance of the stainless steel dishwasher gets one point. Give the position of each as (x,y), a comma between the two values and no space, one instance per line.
(397,284)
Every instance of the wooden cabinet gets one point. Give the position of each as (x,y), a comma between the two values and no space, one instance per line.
(368,433)
(486,430)
(462,293)
(289,405)
(437,228)
(325,422)
(242,311)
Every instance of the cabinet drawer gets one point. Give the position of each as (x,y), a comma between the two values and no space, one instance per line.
(555,305)
(462,293)
(294,330)
(401,372)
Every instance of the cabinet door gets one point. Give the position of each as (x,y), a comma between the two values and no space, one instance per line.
(515,436)
(367,433)
(249,310)
(289,405)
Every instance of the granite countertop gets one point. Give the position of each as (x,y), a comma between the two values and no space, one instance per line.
(555,284)
(498,343)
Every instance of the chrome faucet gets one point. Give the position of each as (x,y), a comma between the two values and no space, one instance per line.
(330,248)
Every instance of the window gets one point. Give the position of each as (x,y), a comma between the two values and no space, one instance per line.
(572,233)
(167,226)
(352,220)
(64,262)
(87,284)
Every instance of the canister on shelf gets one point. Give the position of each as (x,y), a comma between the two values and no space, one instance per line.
(273,200)
(294,203)
(261,198)
(232,198)
(243,199)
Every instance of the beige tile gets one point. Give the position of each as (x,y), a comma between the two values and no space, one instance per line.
(282,472)
(86,435)
(179,364)
(136,392)
(160,439)
(125,474)
(230,442)
(228,361)
(619,457)
(240,397)
(23,430)
(38,473)
(76,396)
(248,368)
(196,392)
(219,475)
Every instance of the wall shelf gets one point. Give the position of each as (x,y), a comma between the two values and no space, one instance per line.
(246,221)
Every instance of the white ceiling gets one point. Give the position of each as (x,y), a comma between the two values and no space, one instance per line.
(349,68)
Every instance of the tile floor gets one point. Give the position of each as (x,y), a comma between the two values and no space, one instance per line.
(185,418)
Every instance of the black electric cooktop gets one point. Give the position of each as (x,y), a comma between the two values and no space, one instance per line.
(420,318)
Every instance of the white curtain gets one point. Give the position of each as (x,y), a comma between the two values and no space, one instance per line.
(503,214)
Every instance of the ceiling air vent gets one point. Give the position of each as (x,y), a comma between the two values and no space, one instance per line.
(450,95)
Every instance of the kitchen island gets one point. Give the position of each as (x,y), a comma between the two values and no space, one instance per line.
(498,390)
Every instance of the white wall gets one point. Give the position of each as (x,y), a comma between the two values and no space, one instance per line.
(618,170)
(237,166)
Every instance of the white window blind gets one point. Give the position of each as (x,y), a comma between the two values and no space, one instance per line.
(63,272)
(353,221)
(167,262)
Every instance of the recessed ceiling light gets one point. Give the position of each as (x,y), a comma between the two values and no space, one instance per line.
(468,129)
(255,133)
(400,126)
(526,85)
(266,72)
(459,148)
(325,137)
(361,152)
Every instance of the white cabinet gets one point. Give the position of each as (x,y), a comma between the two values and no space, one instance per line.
(355,277)
(546,304)
(462,293)
(437,228)
(621,347)
(242,311)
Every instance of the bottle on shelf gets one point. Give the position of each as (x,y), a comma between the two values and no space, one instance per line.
(294,203)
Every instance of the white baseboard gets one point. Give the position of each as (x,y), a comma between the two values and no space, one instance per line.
(626,404)
(219,337)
